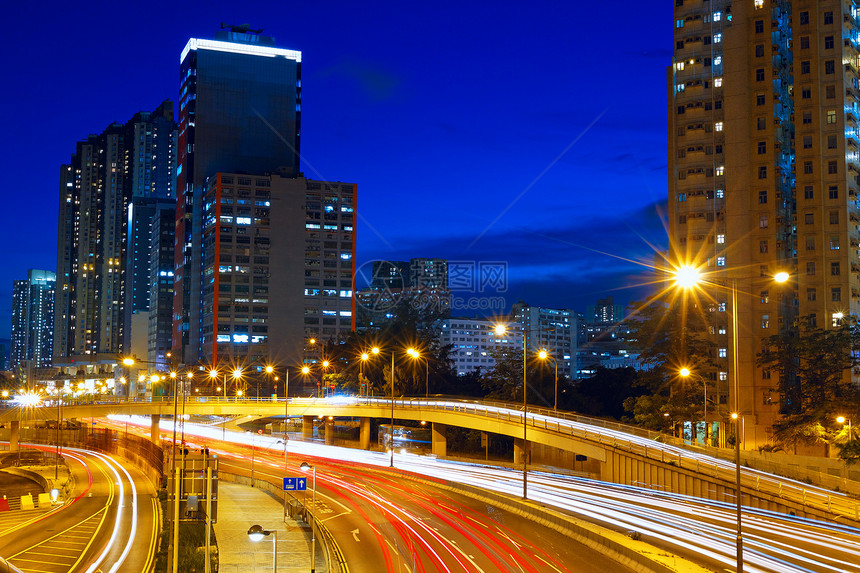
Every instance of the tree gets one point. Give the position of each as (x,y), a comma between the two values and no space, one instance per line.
(814,366)
(670,332)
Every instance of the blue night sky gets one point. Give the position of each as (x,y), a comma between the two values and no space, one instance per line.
(531,133)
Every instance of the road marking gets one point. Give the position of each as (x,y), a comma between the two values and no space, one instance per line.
(355,535)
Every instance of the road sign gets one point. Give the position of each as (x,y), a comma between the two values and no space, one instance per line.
(295,484)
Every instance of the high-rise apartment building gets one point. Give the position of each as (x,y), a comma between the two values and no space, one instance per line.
(239,112)
(554,330)
(278,265)
(474,341)
(103,238)
(763,146)
(33,320)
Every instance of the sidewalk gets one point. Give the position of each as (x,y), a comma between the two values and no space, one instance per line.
(240,507)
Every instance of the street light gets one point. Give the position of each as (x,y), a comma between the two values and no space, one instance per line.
(305,466)
(687,276)
(257,533)
(685,372)
(544,355)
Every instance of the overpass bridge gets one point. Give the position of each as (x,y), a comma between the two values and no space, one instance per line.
(616,453)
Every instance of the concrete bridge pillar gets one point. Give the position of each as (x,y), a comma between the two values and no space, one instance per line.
(329,431)
(307,427)
(364,434)
(438,441)
(154,435)
(14,435)
(519,451)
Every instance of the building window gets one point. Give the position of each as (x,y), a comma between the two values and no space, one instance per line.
(810,243)
(804,18)
(760,123)
(810,294)
(765,321)
(807,167)
(721,239)
(804,67)
(762,197)
(762,222)
(682,197)
(806,93)
(720,170)
(829,67)
(759,26)
(808,218)
(834,269)
(807,117)
(831,143)
(834,217)
(762,147)
(828,42)
(828,18)
(812,321)
(721,261)
(831,116)
(718,126)
(759,99)
(765,297)
(759,50)
(718,82)
(836,294)
(804,42)
(722,353)
(830,91)
(807,142)
(810,268)
(833,192)
(759,74)
(834,243)
(762,172)
(807,192)
(832,168)
(682,219)
(762,246)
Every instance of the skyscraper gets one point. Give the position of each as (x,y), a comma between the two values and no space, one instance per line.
(104,233)
(763,147)
(279,261)
(239,112)
(33,320)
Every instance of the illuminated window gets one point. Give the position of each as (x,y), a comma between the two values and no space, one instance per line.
(831,116)
(765,321)
(718,82)
(718,38)
(723,353)
(679,66)
(717,61)
(720,170)
(721,239)
(721,261)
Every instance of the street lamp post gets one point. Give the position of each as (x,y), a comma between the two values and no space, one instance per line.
(257,533)
(689,277)
(685,372)
(305,466)
(543,355)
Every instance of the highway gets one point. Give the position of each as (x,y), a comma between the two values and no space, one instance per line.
(700,530)
(110,525)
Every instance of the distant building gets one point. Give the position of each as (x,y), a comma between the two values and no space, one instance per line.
(473,341)
(422,283)
(104,234)
(552,329)
(33,320)
(239,113)
(160,314)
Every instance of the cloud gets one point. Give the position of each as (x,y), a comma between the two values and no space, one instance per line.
(377,83)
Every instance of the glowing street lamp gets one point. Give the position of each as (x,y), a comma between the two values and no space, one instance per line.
(257,533)
(544,355)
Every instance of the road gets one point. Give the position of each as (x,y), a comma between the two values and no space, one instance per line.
(702,531)
(110,525)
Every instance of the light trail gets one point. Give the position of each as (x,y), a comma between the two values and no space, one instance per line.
(774,541)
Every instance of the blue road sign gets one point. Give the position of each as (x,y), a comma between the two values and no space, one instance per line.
(295,484)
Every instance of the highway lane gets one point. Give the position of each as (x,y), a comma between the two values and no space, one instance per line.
(701,530)
(383,522)
(379,518)
(110,525)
